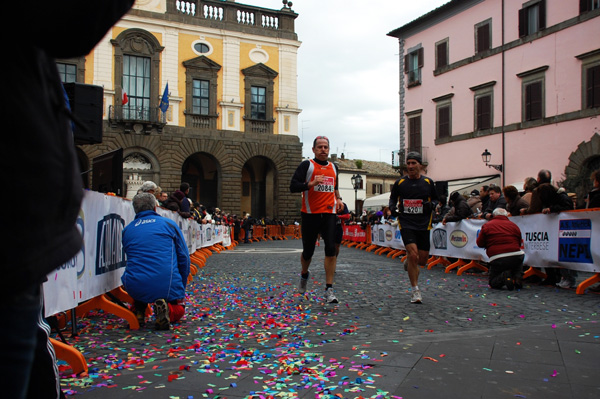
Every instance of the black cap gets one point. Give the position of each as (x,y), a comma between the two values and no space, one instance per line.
(475,192)
(414,155)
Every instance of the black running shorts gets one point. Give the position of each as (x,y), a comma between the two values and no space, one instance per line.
(419,237)
(314,224)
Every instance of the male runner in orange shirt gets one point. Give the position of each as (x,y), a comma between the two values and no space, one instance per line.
(317,180)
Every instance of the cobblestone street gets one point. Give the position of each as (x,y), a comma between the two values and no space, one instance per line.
(249,333)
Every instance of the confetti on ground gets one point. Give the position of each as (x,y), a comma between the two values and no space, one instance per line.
(241,327)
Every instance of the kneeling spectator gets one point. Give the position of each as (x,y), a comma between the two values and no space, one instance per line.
(158,263)
(502,239)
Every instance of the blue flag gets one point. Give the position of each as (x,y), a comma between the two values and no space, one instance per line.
(164,102)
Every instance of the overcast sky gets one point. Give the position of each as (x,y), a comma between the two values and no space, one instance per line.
(348,72)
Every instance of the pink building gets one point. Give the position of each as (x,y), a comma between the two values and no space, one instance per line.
(518,78)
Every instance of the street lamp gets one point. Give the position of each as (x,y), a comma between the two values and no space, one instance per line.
(486,156)
(356,183)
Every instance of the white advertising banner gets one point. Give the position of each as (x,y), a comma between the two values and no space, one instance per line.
(567,239)
(98,267)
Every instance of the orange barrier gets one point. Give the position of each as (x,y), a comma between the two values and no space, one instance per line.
(400,252)
(439,260)
(473,264)
(292,231)
(72,356)
(258,233)
(587,283)
(275,232)
(532,271)
(458,263)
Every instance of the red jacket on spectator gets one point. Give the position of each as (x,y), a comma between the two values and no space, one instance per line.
(499,236)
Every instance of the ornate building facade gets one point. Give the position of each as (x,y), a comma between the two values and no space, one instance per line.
(229,125)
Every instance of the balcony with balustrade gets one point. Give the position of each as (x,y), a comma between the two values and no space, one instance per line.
(234,16)
(137,119)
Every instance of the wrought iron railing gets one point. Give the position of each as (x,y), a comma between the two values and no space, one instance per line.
(125,113)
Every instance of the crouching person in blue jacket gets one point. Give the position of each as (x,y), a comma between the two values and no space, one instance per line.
(158,263)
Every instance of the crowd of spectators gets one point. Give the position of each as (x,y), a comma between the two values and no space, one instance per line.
(179,202)
(537,195)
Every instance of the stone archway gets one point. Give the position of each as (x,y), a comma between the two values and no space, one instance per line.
(259,180)
(582,162)
(203,172)
(139,165)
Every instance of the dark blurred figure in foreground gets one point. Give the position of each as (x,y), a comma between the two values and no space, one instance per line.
(40,154)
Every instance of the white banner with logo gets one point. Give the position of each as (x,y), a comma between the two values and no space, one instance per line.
(567,239)
(98,267)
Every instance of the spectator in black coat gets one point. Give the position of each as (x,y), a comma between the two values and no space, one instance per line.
(514,201)
(460,209)
(497,200)
(554,200)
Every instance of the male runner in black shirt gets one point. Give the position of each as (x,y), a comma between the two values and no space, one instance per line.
(413,198)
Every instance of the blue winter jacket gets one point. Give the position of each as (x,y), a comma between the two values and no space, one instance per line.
(158,261)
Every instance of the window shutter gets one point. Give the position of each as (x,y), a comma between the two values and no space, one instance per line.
(420,57)
(522,22)
(483,38)
(584,6)
(533,101)
(414,138)
(406,59)
(593,87)
(444,122)
(442,55)
(536,100)
(542,11)
(484,107)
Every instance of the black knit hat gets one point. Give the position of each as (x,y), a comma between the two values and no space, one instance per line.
(414,155)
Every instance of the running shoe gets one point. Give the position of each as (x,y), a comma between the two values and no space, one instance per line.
(161,313)
(303,283)
(416,297)
(566,283)
(330,296)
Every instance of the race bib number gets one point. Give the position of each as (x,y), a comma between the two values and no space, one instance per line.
(412,206)
(326,186)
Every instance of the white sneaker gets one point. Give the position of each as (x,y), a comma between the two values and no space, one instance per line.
(416,297)
(303,283)
(565,283)
(330,296)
